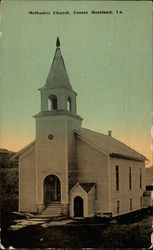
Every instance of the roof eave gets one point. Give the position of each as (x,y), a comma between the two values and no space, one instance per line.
(92,144)
(23,150)
(77,184)
(128,157)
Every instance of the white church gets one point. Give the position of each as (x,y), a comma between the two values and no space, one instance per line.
(73,171)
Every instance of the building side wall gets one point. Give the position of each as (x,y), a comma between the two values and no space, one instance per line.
(124,194)
(91,202)
(27,182)
(148,200)
(149,176)
(72,154)
(92,167)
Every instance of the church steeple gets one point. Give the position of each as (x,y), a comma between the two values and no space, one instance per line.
(58,77)
(55,125)
(58,42)
(57,94)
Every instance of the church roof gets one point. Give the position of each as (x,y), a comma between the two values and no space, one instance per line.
(86,186)
(23,150)
(58,77)
(109,145)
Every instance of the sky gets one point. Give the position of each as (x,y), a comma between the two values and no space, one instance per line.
(108,58)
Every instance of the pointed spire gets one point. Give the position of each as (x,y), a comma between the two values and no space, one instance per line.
(58,42)
(58,77)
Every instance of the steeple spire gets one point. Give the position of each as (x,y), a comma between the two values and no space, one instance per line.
(58,42)
(57,96)
(58,77)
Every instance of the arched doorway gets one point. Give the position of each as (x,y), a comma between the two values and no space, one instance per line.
(78,206)
(52,189)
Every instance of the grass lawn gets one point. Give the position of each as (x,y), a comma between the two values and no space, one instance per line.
(132,231)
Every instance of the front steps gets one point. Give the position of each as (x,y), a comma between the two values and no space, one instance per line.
(53,209)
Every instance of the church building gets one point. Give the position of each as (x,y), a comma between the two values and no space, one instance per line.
(70,170)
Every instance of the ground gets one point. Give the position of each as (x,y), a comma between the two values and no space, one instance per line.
(133,230)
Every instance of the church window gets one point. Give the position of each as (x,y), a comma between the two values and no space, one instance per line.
(130,204)
(130,178)
(118,207)
(140,177)
(52,101)
(117,178)
(141,202)
(69,104)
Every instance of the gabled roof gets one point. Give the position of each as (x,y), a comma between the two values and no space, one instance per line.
(58,77)
(109,145)
(86,186)
(23,150)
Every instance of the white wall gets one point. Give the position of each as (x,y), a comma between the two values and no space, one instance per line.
(27,181)
(93,167)
(124,194)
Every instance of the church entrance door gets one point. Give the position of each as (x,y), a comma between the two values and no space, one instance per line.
(78,206)
(52,189)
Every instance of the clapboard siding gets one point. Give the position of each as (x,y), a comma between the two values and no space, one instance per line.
(27,182)
(91,198)
(93,167)
(125,194)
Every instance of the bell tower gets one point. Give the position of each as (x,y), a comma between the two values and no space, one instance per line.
(57,94)
(55,138)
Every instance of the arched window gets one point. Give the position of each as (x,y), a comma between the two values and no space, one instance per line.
(52,103)
(69,104)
